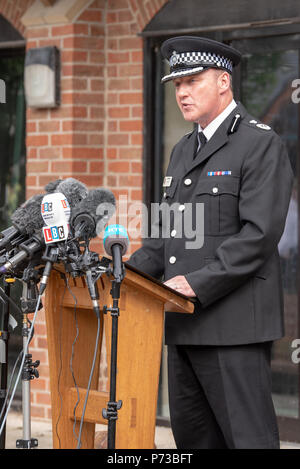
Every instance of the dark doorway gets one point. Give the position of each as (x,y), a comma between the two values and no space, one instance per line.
(12,136)
(13,164)
(268,81)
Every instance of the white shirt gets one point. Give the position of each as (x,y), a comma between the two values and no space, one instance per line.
(215,124)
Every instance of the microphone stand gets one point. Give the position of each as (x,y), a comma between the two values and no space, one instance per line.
(4,336)
(111,412)
(28,304)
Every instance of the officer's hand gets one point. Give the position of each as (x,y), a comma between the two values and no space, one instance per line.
(181,285)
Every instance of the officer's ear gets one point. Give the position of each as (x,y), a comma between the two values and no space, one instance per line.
(224,81)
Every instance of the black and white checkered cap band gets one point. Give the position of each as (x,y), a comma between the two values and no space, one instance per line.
(199,58)
(186,63)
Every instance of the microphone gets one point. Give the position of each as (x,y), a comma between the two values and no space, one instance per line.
(75,191)
(26,219)
(116,244)
(8,236)
(91,215)
(52,185)
(28,248)
(56,213)
(54,210)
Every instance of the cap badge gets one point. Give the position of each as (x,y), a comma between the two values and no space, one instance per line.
(174,58)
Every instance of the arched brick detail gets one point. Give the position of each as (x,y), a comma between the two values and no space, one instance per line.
(13,10)
(145,10)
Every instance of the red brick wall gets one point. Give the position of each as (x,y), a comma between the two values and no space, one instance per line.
(96,135)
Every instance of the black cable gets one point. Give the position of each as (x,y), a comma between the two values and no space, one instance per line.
(12,302)
(71,359)
(90,381)
(60,366)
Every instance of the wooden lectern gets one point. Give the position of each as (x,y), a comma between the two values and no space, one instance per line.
(140,331)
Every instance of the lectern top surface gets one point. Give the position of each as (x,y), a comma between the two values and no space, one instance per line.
(158,282)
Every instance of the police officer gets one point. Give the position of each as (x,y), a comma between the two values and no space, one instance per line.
(236,168)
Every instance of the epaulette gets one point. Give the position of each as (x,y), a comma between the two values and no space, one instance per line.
(256,124)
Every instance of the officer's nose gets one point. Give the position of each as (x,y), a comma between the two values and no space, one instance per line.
(182,90)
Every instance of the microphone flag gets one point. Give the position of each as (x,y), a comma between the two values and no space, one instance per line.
(56,212)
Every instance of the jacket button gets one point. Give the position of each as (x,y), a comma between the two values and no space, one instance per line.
(187,182)
(172,260)
(173,233)
(165,194)
(181,208)
(215,190)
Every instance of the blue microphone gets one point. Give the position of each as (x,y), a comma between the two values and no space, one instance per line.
(116,244)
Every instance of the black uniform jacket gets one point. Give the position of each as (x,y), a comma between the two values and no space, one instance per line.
(244,179)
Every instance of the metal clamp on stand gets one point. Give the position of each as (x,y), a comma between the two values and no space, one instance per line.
(30,368)
(111,412)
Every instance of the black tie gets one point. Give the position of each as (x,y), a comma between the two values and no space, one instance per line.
(200,142)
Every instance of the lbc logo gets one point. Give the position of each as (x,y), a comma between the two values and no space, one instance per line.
(54,233)
(47,207)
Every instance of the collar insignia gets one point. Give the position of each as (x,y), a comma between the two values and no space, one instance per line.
(167,181)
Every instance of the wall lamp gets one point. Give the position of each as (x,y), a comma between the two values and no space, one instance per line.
(42,77)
